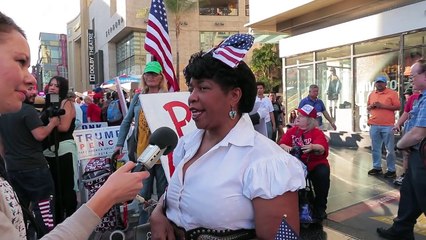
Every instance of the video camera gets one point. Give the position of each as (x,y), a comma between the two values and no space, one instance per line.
(54,106)
(297,152)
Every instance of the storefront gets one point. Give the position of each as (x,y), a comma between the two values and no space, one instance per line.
(355,65)
(342,46)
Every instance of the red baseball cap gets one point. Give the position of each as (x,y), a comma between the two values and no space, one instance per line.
(98,96)
(308,111)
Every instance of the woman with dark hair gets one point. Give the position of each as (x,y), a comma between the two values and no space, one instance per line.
(312,143)
(61,150)
(14,81)
(229,180)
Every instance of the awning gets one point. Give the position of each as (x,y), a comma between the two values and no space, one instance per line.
(268,37)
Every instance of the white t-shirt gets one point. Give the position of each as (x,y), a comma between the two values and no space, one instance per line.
(266,102)
(78,116)
(218,188)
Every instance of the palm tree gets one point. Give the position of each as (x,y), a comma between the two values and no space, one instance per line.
(178,8)
(266,65)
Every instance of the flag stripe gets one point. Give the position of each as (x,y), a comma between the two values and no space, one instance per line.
(157,42)
(233,49)
(161,56)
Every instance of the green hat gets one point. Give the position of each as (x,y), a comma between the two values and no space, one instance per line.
(154,67)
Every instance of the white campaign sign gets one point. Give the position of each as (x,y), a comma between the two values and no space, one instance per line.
(168,110)
(94,125)
(96,142)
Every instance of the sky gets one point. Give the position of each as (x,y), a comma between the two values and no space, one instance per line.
(35,16)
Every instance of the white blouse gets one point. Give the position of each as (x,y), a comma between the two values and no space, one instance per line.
(219,186)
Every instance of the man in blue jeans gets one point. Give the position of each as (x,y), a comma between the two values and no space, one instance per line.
(382,104)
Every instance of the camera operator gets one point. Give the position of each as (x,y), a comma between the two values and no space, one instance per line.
(309,144)
(61,150)
(26,165)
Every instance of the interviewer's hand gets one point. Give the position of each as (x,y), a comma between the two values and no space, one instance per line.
(121,186)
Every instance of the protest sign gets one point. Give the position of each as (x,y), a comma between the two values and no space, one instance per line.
(168,110)
(94,125)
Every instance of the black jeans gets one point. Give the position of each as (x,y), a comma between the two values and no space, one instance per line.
(413,193)
(65,197)
(320,177)
(35,189)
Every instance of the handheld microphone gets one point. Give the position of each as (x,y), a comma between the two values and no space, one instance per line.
(161,142)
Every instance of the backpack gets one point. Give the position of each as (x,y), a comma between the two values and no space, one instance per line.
(114,112)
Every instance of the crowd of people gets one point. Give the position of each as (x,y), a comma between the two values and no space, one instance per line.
(224,184)
(16,82)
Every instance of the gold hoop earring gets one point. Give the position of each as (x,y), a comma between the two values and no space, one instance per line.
(232,113)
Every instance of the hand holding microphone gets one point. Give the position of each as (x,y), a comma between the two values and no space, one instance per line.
(161,142)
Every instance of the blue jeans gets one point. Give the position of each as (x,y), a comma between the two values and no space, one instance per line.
(380,135)
(269,129)
(156,172)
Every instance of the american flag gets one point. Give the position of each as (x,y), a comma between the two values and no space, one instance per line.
(233,49)
(285,232)
(157,42)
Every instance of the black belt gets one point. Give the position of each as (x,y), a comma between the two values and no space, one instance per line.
(211,234)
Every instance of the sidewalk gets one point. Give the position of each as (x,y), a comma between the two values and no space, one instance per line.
(359,203)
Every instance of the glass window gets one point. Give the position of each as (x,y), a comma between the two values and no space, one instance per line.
(366,70)
(299,59)
(219,7)
(415,39)
(336,88)
(209,40)
(55,52)
(49,36)
(333,53)
(131,55)
(298,80)
(387,44)
(247,9)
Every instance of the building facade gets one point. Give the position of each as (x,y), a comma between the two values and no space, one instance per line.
(359,40)
(52,58)
(107,38)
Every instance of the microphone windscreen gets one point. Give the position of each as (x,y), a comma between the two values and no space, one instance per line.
(164,137)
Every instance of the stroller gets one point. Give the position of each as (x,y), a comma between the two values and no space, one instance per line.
(95,175)
(306,195)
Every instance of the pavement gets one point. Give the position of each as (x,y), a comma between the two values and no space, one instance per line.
(357,203)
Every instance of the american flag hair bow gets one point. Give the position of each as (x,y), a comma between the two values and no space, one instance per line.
(233,49)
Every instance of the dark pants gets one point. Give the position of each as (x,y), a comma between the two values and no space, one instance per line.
(156,172)
(65,196)
(320,177)
(35,189)
(413,194)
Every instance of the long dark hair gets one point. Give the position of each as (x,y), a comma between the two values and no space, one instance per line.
(63,86)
